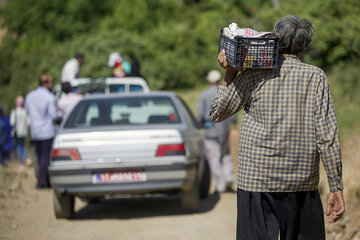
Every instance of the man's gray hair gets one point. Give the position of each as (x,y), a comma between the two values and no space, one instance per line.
(295,34)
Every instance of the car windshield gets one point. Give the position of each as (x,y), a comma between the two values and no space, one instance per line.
(123,111)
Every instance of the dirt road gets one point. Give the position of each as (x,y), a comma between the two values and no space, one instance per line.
(26,213)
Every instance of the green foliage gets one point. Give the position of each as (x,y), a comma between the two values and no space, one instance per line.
(141,15)
(336,37)
(336,26)
(59,19)
(345,88)
(346,82)
(176,42)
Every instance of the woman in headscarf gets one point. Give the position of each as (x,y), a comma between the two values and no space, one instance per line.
(20,122)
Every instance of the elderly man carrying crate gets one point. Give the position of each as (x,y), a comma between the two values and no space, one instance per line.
(288,126)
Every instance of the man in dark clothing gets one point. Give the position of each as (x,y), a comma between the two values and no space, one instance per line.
(288,126)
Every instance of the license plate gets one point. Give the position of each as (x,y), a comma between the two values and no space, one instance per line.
(119,176)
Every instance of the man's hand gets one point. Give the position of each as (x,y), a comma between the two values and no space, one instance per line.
(231,72)
(223,61)
(335,205)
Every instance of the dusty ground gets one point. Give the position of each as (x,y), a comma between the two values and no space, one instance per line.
(26,213)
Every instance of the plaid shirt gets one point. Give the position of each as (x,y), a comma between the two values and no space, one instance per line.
(288,126)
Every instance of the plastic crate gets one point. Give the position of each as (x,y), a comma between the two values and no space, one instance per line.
(247,52)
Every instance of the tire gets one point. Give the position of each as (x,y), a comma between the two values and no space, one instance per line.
(63,205)
(205,181)
(93,200)
(190,200)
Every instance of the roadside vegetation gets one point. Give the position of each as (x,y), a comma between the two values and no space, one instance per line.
(175,42)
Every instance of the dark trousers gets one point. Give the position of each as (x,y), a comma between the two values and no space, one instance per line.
(43,151)
(295,215)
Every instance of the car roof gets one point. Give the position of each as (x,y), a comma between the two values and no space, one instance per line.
(132,95)
(108,78)
(125,80)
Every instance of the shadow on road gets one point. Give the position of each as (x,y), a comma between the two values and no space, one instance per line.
(138,208)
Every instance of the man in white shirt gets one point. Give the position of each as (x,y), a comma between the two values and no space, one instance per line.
(41,108)
(69,101)
(71,68)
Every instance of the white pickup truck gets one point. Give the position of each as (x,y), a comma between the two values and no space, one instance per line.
(106,85)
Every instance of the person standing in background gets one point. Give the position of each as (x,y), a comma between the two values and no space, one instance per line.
(20,122)
(135,67)
(120,67)
(2,140)
(68,102)
(41,108)
(71,68)
(8,145)
(217,137)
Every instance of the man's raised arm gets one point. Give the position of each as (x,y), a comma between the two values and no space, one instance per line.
(231,94)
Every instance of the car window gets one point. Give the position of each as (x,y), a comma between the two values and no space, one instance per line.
(75,89)
(92,112)
(117,88)
(136,88)
(123,111)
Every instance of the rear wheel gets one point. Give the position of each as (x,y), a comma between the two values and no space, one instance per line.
(190,200)
(92,200)
(63,205)
(205,181)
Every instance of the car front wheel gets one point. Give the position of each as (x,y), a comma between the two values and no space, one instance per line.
(63,205)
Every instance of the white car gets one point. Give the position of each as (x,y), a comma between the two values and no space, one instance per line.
(106,85)
(140,143)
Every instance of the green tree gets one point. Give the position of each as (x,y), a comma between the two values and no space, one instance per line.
(59,19)
(176,42)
